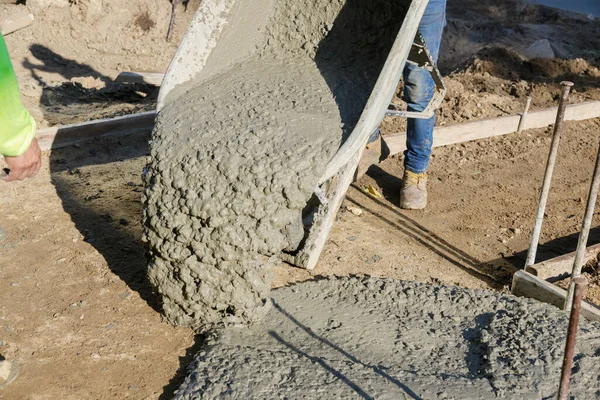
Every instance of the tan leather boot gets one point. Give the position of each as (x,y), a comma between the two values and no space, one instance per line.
(413,195)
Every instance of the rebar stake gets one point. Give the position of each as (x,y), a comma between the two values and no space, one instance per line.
(537,227)
(565,377)
(585,231)
(172,20)
(524,115)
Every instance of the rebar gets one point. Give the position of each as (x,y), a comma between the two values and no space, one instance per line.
(172,20)
(585,230)
(565,377)
(524,115)
(537,228)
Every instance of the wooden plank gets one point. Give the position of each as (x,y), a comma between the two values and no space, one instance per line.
(526,285)
(561,267)
(458,133)
(149,78)
(319,231)
(14,22)
(67,135)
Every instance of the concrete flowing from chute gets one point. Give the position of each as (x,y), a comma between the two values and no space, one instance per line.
(236,157)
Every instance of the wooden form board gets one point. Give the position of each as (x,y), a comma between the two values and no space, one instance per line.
(14,22)
(561,267)
(150,78)
(526,285)
(458,133)
(309,255)
(67,135)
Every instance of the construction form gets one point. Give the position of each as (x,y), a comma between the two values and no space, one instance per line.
(244,262)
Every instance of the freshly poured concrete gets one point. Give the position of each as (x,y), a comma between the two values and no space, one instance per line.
(372,338)
(237,155)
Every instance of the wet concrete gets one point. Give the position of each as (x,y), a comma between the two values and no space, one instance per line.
(381,339)
(235,159)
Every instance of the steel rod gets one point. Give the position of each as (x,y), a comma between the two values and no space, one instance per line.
(565,377)
(537,227)
(585,231)
(172,20)
(524,116)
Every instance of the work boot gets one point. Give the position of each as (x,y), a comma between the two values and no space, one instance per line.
(8,373)
(413,195)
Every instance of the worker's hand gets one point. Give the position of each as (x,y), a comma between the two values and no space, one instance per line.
(26,165)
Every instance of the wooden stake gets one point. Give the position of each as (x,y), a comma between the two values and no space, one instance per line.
(527,285)
(14,22)
(525,112)
(485,128)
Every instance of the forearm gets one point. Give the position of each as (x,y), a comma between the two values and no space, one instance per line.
(17,127)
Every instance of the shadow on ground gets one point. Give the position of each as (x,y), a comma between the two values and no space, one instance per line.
(495,275)
(99,184)
(497,272)
(184,364)
(323,363)
(87,95)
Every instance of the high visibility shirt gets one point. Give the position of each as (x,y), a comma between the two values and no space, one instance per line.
(17,127)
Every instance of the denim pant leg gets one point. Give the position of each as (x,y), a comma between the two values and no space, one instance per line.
(419,88)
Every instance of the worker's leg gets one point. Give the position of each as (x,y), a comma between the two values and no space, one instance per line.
(419,88)
(418,91)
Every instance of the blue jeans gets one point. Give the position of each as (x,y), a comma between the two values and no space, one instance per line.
(419,89)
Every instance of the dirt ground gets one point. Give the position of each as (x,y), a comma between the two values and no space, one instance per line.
(67,59)
(76,312)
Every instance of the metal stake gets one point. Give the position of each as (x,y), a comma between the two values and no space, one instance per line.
(525,112)
(172,20)
(565,377)
(537,228)
(585,231)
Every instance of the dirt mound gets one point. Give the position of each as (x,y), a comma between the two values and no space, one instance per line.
(507,64)
(516,25)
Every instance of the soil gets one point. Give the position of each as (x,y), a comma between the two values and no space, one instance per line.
(67,59)
(76,312)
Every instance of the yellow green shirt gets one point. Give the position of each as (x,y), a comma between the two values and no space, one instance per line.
(17,127)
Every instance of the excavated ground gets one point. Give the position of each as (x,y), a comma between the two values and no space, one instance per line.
(375,338)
